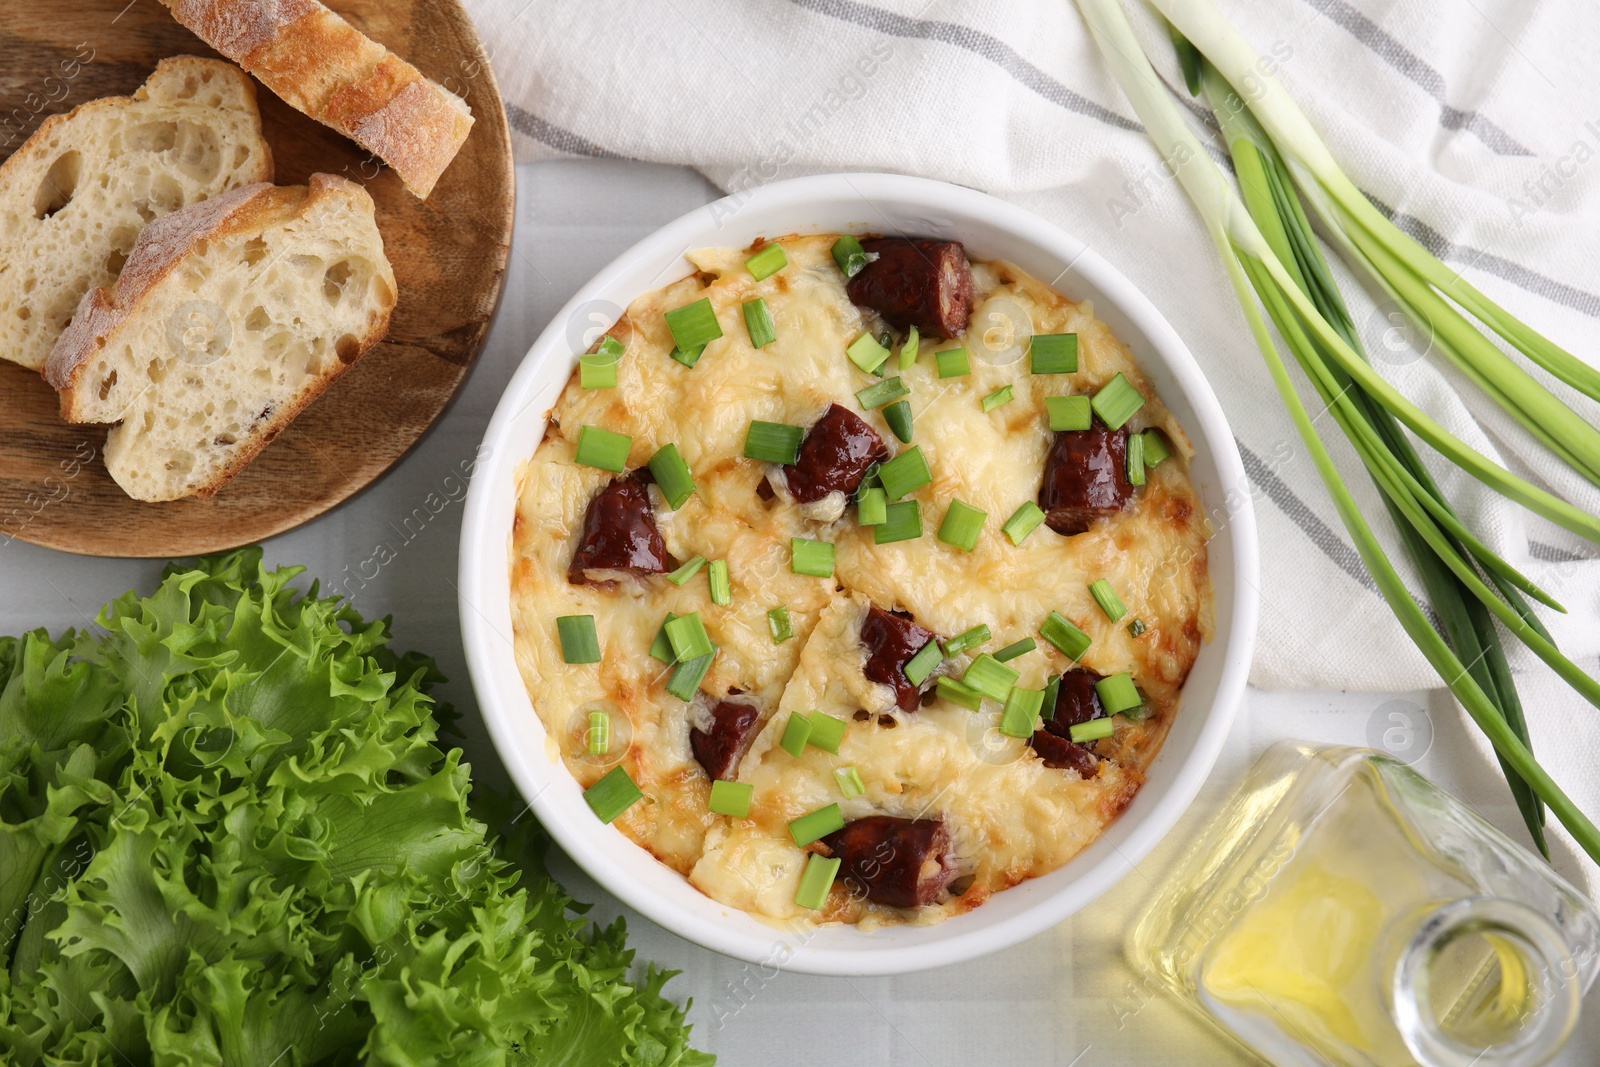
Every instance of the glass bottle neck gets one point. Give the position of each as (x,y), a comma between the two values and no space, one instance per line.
(1485,982)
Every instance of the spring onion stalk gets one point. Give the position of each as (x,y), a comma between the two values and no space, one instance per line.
(1310,159)
(1283,269)
(1448,577)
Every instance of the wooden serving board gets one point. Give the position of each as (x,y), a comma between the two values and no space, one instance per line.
(449,254)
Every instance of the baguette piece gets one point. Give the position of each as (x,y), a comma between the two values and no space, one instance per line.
(323,66)
(74,197)
(230,317)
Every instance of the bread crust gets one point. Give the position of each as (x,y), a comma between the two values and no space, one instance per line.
(161,248)
(322,66)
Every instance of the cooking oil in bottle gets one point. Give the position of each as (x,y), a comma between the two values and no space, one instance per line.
(1345,912)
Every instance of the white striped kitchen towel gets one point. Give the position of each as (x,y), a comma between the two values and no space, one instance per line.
(1475,125)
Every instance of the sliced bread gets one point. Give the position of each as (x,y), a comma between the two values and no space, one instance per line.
(325,67)
(230,317)
(74,197)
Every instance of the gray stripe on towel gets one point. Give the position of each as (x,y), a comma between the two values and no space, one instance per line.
(1416,69)
(546,132)
(978,43)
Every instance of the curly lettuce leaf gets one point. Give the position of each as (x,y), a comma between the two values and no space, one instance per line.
(229,835)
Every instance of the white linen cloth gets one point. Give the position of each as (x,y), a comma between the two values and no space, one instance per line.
(1474,123)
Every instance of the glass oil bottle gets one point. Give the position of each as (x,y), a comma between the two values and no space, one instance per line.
(1345,912)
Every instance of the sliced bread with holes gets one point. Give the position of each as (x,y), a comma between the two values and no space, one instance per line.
(230,317)
(74,197)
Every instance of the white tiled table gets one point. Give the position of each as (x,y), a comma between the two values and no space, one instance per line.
(1066,997)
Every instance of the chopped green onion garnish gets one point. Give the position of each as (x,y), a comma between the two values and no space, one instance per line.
(866,353)
(953,691)
(921,665)
(598,736)
(869,480)
(817,824)
(773,442)
(597,372)
(826,732)
(1072,641)
(1022,522)
(1069,412)
(908,351)
(731,798)
(1000,396)
(898,416)
(814,558)
(967,639)
(872,507)
(1118,694)
(881,393)
(901,522)
(1107,598)
(778,625)
(906,472)
(1015,649)
(1137,628)
(1135,459)
(693,325)
(1053,353)
(961,525)
(687,356)
(990,677)
(796,732)
(661,648)
(687,571)
(1051,692)
(610,346)
(1156,447)
(851,257)
(850,783)
(721,584)
(603,449)
(758,323)
(599,733)
(952,363)
(767,262)
(613,794)
(672,475)
(687,674)
(579,644)
(816,880)
(689,638)
(1093,730)
(1116,402)
(1021,715)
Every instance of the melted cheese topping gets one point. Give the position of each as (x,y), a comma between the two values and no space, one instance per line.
(1009,816)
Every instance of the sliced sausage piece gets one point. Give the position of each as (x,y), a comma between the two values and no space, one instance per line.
(899,863)
(1085,478)
(619,534)
(917,282)
(1062,754)
(724,736)
(834,456)
(891,639)
(1076,702)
